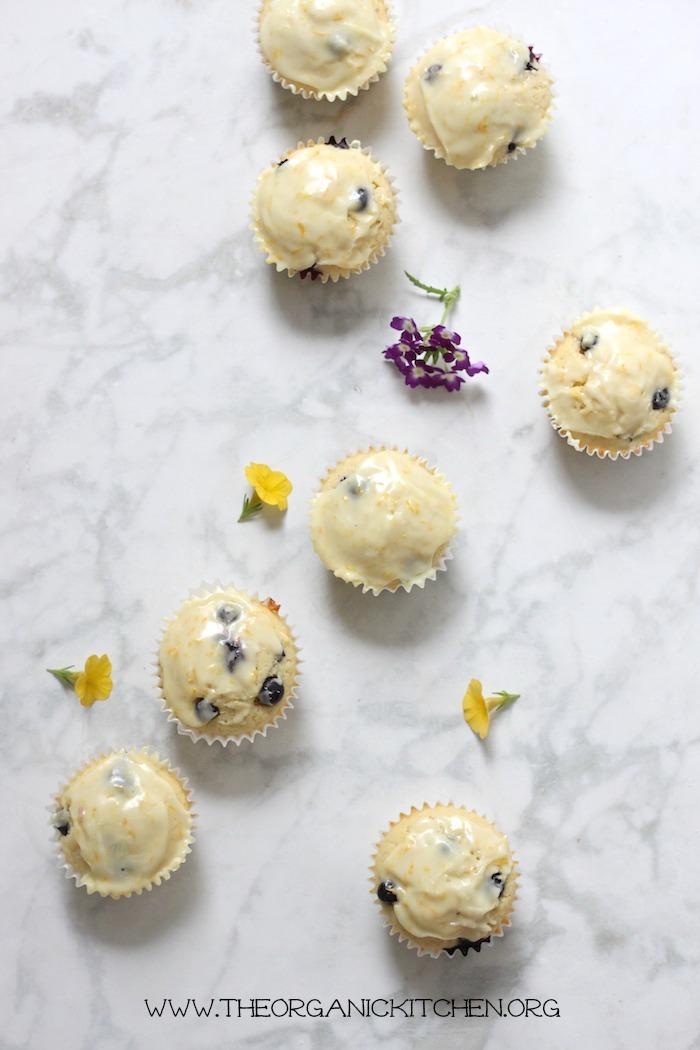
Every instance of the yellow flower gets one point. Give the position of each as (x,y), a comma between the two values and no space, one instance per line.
(94,682)
(477,708)
(476,713)
(271,486)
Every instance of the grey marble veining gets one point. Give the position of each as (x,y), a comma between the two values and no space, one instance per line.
(148,354)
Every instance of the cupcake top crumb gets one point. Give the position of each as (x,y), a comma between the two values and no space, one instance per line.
(477,97)
(444,876)
(326,48)
(124,823)
(227,664)
(383,520)
(610,377)
(326,207)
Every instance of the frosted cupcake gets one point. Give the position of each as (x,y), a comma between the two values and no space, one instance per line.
(325,49)
(325,210)
(477,98)
(609,385)
(445,880)
(124,823)
(228,666)
(383,519)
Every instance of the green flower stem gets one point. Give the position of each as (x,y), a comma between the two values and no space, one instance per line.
(65,675)
(503,698)
(440,292)
(449,301)
(251,506)
(448,296)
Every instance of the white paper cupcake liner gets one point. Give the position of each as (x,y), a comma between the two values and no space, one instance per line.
(404,937)
(445,555)
(436,147)
(83,879)
(280,712)
(331,272)
(600,446)
(330,95)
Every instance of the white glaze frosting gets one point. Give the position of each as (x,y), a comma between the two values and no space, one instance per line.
(448,868)
(382,519)
(325,207)
(220,649)
(328,47)
(605,375)
(128,823)
(477,96)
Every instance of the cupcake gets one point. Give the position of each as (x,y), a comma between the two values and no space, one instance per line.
(445,880)
(477,97)
(325,210)
(383,519)
(124,823)
(227,666)
(325,49)
(609,385)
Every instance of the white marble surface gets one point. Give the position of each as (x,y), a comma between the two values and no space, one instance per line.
(148,354)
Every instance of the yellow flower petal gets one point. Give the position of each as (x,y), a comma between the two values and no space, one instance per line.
(476,713)
(271,486)
(94,682)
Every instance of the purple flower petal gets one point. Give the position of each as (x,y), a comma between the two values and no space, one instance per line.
(405,324)
(421,374)
(406,362)
(400,355)
(410,340)
(311,271)
(477,367)
(404,365)
(452,380)
(441,336)
(461,362)
(393,352)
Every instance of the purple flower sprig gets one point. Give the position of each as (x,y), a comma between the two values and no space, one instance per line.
(431,356)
